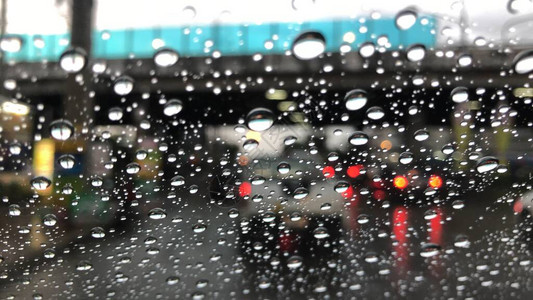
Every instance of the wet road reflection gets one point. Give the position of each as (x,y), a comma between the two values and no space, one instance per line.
(432,250)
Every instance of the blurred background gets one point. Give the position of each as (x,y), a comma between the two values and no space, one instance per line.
(279,150)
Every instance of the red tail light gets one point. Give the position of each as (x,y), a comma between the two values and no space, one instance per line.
(245,189)
(328,172)
(435,182)
(400,182)
(354,171)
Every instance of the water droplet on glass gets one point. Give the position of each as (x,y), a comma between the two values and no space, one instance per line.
(341,186)
(320,233)
(233,213)
(199,228)
(40,183)
(300,193)
(406,158)
(448,149)
(284,168)
(133,168)
(363,219)
(355,99)
(289,140)
(487,164)
(84,266)
(123,85)
(49,220)
(177,180)
(375,113)
(97,181)
(15,148)
(421,135)
(458,204)
(523,62)
(97,232)
(259,119)
(172,280)
(173,107)
(61,129)
(165,57)
(416,53)
(405,19)
(309,45)
(73,60)
(14,210)
(115,114)
(464,60)
(367,50)
(157,213)
(429,250)
(141,154)
(371,257)
(461,241)
(66,161)
(294,262)
(257,180)
(250,144)
(358,138)
(459,94)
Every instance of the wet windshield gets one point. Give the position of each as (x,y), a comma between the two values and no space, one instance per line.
(303,149)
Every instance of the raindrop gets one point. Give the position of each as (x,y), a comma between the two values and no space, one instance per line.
(233,213)
(97,181)
(309,45)
(84,266)
(284,168)
(406,158)
(257,180)
(173,107)
(165,57)
(49,220)
(367,50)
(15,149)
(199,228)
(259,119)
(300,193)
(157,213)
(363,219)
(123,85)
(458,204)
(66,161)
(429,250)
(405,19)
(14,210)
(358,138)
(448,149)
(49,253)
(97,232)
(320,233)
(133,168)
(416,53)
(421,135)
(115,114)
(250,144)
(172,280)
(177,180)
(461,241)
(40,183)
(375,113)
(289,140)
(141,154)
(73,60)
(464,60)
(355,99)
(487,164)
(341,186)
(371,257)
(61,129)
(294,262)
(459,94)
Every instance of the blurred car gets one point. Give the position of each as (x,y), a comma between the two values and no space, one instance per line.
(288,206)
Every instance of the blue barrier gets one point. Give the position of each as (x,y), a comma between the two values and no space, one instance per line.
(228,39)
